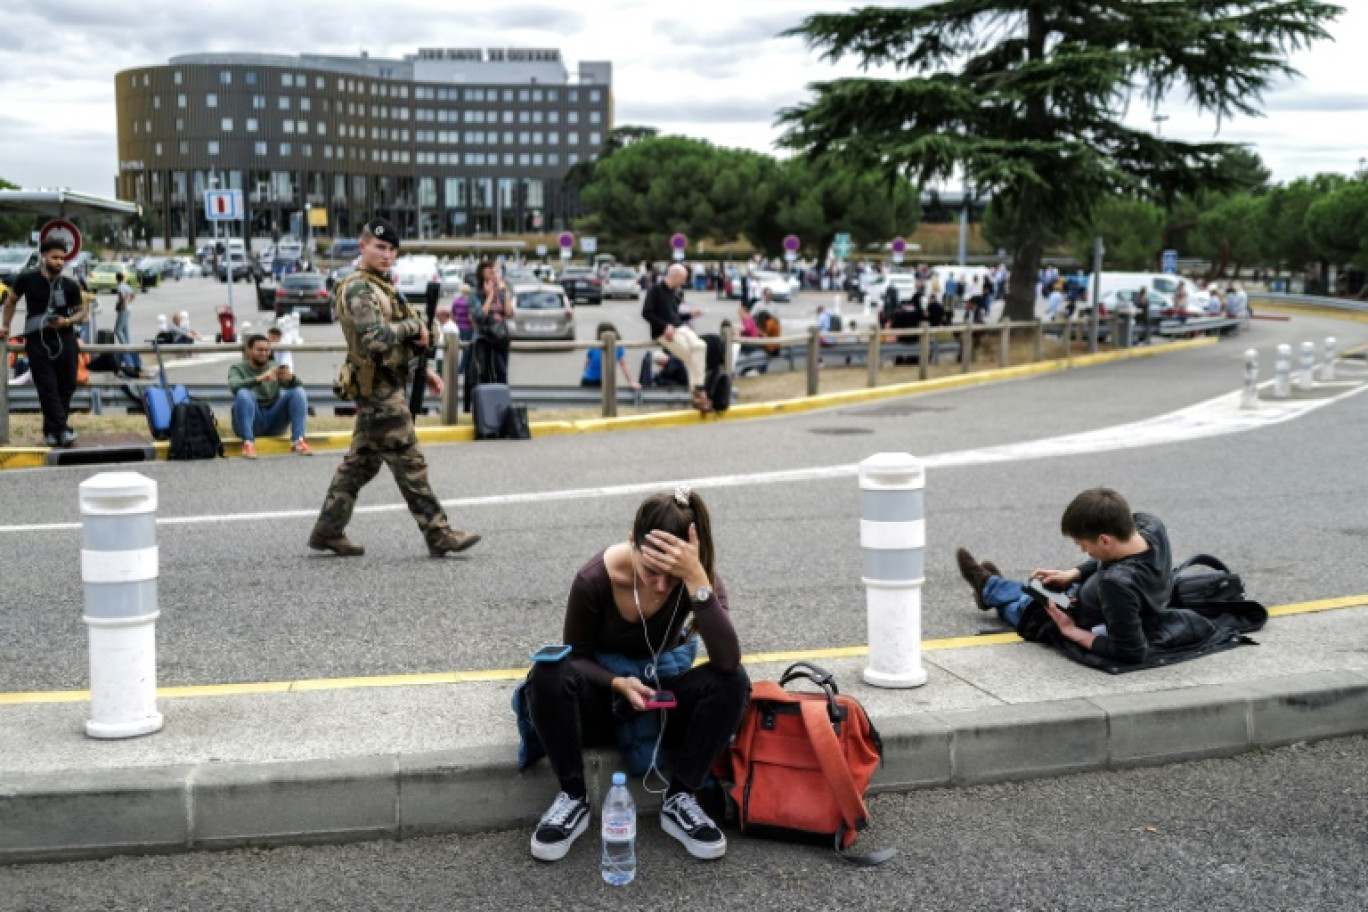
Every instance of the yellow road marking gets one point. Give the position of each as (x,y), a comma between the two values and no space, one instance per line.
(508,675)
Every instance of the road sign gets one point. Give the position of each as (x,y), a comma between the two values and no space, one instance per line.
(841,246)
(899,245)
(679,242)
(541,250)
(791,243)
(565,253)
(566,241)
(1170,261)
(65,232)
(589,245)
(223,205)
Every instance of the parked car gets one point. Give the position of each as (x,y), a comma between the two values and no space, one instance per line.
(541,311)
(14,260)
(621,283)
(243,267)
(582,282)
(345,249)
(876,289)
(412,273)
(105,276)
(779,288)
(306,294)
(190,267)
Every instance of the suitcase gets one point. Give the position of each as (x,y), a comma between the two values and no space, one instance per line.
(491,403)
(158,401)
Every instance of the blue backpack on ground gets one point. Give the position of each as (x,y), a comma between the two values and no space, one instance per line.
(159,401)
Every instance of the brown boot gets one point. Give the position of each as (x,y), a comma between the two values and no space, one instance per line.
(337,544)
(702,402)
(975,574)
(452,542)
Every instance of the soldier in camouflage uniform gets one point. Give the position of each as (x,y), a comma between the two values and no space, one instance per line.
(381,331)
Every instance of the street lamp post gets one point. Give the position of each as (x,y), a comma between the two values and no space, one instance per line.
(1159,124)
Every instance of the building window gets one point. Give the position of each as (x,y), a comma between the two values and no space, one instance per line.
(537,116)
(572,139)
(508,158)
(595,117)
(259,148)
(287,126)
(572,95)
(537,159)
(553,95)
(553,138)
(303,104)
(595,139)
(537,138)
(180,101)
(508,138)
(158,148)
(287,80)
(327,151)
(524,117)
(259,102)
(455,192)
(226,125)
(553,116)
(536,94)
(306,150)
(147,126)
(180,124)
(156,101)
(211,100)
(524,138)
(553,158)
(524,158)
(251,125)
(284,103)
(492,138)
(225,77)
(285,149)
(249,78)
(176,77)
(184,147)
(303,126)
(213,147)
(318,83)
(572,116)
(322,128)
(507,94)
(595,95)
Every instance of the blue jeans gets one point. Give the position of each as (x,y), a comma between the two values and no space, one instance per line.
(1007,597)
(251,419)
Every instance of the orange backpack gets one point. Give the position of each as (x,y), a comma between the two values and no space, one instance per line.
(801,763)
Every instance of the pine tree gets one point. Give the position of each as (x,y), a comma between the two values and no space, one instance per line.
(1025,99)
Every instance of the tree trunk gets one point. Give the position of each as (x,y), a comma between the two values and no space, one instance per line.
(1021,284)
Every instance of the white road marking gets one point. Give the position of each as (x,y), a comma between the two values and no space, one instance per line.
(1212,418)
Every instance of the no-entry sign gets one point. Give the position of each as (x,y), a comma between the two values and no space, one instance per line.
(65,232)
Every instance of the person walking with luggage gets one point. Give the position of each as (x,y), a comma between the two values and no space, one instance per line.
(382,332)
(661,311)
(55,306)
(626,624)
(490,307)
(267,396)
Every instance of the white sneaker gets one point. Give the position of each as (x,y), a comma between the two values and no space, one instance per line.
(559,827)
(683,819)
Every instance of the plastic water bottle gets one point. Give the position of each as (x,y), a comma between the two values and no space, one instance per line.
(619,833)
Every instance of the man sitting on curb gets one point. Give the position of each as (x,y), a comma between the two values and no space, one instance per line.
(266,397)
(1122,593)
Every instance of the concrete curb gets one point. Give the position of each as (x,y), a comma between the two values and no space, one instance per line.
(36,457)
(217,805)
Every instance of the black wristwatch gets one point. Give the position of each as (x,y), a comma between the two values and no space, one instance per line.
(702,594)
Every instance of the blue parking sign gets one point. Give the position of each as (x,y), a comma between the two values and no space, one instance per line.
(1170,261)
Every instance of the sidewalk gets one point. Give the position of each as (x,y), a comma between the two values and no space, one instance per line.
(324,761)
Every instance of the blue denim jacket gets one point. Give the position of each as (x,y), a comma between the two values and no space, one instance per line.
(636,734)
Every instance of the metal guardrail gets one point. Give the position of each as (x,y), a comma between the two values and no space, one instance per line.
(1305,300)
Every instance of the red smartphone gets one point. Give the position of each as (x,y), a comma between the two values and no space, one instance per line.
(661,699)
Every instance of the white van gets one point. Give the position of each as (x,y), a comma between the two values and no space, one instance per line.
(1161,286)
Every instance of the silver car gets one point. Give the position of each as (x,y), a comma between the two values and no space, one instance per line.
(541,312)
(621,283)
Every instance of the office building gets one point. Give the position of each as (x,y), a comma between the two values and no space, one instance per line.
(447,142)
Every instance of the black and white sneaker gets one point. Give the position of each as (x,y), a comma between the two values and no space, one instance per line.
(559,827)
(683,819)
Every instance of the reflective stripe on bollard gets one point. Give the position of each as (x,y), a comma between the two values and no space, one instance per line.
(1282,372)
(893,547)
(1249,398)
(119,568)
(1306,378)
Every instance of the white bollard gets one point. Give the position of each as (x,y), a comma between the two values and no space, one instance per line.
(161,322)
(119,569)
(1249,398)
(1306,377)
(836,304)
(1328,368)
(893,544)
(1282,372)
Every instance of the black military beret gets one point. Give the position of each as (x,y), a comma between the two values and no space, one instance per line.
(382,230)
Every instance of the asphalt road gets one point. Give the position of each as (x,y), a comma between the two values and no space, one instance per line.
(243,599)
(1269,831)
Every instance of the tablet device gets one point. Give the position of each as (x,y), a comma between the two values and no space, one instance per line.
(1036,590)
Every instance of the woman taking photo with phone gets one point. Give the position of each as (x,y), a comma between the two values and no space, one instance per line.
(628,627)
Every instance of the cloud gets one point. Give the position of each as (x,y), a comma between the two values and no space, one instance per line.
(1316,102)
(702,110)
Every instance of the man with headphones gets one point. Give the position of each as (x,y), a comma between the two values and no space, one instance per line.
(55,306)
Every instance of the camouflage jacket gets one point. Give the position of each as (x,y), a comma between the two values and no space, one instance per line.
(378,324)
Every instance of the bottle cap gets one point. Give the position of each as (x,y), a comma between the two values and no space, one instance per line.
(619,778)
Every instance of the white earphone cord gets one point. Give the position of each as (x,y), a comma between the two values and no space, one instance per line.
(654,674)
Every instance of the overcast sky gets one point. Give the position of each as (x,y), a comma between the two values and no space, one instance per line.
(713,69)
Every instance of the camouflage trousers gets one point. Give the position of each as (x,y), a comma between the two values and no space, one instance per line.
(384,433)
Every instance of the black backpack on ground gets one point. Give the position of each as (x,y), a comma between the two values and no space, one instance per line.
(1201,579)
(194,432)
